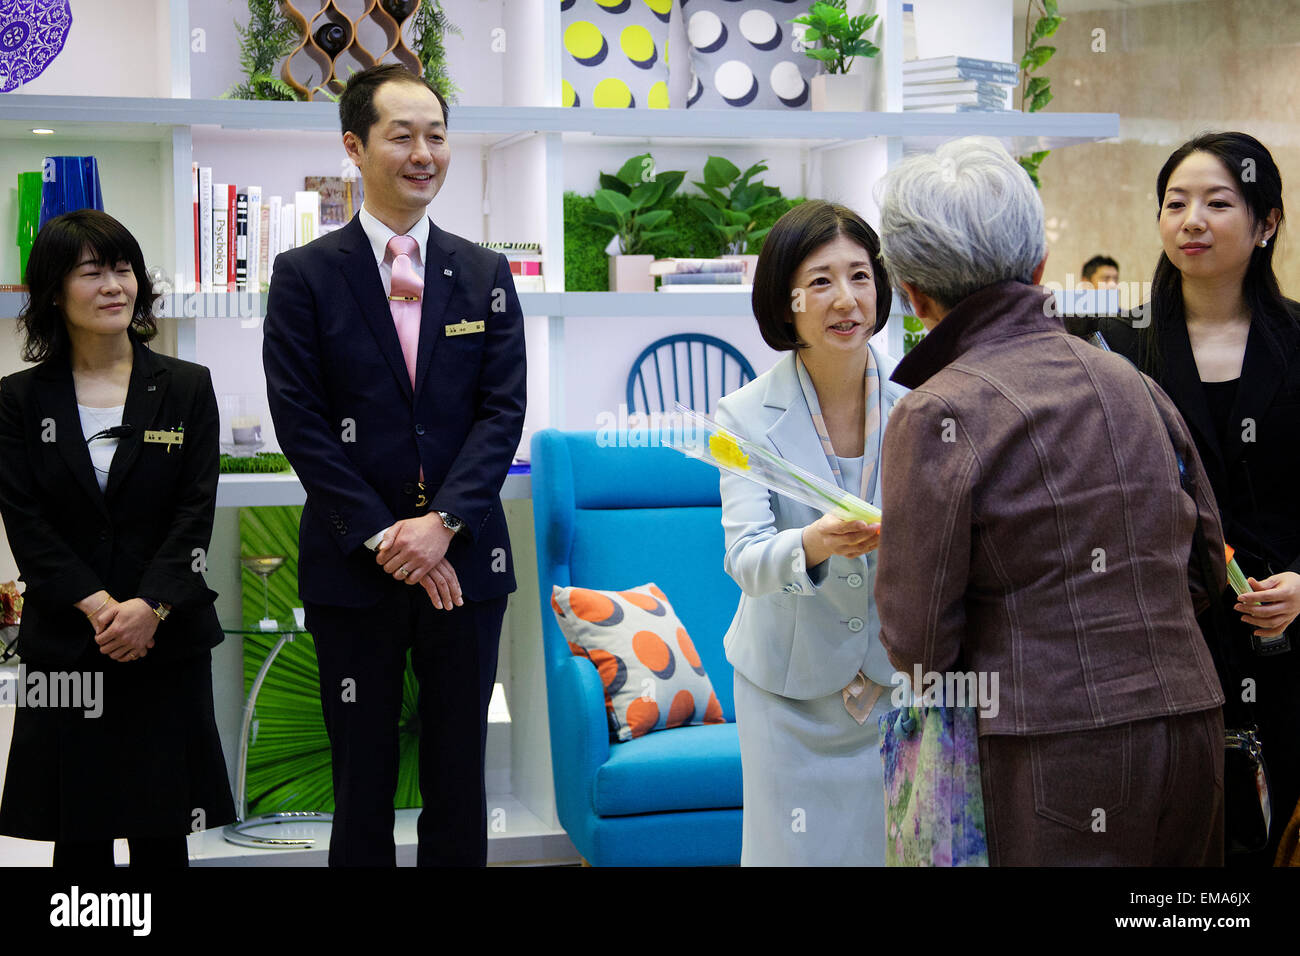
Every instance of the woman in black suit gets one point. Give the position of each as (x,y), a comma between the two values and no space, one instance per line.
(1225,345)
(108,480)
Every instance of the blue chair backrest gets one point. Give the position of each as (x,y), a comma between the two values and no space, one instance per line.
(613,518)
(690,368)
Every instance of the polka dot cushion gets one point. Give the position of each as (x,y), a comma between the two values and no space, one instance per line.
(615,53)
(744,54)
(653,678)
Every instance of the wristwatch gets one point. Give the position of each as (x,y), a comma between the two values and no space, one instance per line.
(162,610)
(451,522)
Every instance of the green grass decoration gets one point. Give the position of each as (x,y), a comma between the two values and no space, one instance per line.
(263,463)
(1037,90)
(263,42)
(289,765)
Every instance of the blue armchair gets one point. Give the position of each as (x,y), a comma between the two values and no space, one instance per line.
(612,518)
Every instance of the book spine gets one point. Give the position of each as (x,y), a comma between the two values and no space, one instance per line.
(704,278)
(220,243)
(254,238)
(273,223)
(198,238)
(241,240)
(287,226)
(263,250)
(205,228)
(307,204)
(232,248)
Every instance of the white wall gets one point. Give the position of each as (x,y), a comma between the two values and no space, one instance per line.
(139,67)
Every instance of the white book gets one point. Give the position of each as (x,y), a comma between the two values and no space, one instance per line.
(307,217)
(952,86)
(254,237)
(273,227)
(205,228)
(943,99)
(934,63)
(286,227)
(220,235)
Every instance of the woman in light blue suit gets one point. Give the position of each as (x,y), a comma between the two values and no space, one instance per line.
(811,677)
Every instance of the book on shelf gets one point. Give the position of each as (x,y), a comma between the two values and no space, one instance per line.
(955,86)
(663,267)
(254,272)
(204,233)
(959,108)
(286,226)
(703,278)
(220,244)
(936,64)
(960,74)
(232,245)
(708,287)
(241,239)
(306,217)
(333,192)
(274,246)
(194,195)
(263,251)
(996,101)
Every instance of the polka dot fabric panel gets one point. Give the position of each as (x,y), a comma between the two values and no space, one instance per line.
(743,55)
(615,53)
(654,679)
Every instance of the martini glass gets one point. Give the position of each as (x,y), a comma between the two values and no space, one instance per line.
(264,565)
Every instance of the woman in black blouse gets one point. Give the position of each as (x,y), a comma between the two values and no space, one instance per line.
(108,480)
(1224,343)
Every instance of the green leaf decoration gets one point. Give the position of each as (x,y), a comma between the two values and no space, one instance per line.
(1037,57)
(609,201)
(429,27)
(1051,7)
(1036,84)
(1045,27)
(1041,99)
(632,172)
(720,172)
(613,182)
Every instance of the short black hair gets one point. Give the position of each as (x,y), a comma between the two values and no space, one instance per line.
(795,236)
(56,252)
(357,111)
(1098,262)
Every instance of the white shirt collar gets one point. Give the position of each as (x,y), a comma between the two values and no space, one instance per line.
(379,234)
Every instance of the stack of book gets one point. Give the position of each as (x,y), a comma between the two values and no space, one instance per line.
(700,275)
(958,84)
(525,260)
(238,232)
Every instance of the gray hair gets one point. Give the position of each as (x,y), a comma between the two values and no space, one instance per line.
(959,219)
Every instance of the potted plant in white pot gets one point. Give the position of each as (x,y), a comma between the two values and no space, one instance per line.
(632,205)
(840,38)
(730,204)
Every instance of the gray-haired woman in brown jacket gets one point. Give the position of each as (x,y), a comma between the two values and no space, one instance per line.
(1035,527)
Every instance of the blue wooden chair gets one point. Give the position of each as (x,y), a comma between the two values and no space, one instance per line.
(690,368)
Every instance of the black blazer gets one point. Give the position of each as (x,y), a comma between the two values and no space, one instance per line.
(356,432)
(1255,482)
(146,535)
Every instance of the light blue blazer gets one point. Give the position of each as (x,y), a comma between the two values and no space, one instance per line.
(797,634)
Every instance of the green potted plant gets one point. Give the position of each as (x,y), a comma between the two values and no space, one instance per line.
(730,203)
(632,205)
(839,38)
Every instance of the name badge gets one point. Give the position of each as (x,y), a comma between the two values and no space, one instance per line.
(465,327)
(165,437)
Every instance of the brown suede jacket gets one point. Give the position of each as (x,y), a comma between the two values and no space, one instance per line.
(1034,525)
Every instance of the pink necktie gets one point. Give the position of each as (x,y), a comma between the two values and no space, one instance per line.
(404,299)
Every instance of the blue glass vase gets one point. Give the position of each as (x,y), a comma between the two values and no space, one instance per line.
(70,183)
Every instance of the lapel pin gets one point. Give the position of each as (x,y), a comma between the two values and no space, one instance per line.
(446,272)
(151,388)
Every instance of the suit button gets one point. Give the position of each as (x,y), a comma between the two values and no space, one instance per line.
(408,488)
(855,624)
(855,580)
(419,429)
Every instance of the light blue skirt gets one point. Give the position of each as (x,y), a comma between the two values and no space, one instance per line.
(814,787)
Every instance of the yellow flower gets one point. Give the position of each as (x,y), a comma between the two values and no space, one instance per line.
(727,452)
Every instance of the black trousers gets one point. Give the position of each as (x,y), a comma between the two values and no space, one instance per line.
(362,658)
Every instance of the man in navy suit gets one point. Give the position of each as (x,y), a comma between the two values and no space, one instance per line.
(395,372)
